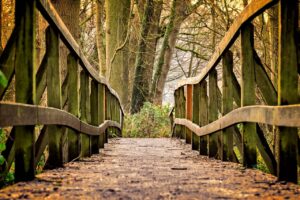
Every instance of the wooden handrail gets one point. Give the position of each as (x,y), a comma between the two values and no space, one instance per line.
(253,9)
(53,18)
(288,116)
(16,114)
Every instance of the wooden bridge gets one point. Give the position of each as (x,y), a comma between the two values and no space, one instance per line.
(78,121)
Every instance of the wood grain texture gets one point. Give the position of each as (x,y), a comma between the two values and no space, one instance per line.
(253,9)
(287,116)
(16,114)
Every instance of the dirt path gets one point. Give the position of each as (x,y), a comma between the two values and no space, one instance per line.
(151,169)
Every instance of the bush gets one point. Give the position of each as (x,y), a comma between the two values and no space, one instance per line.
(152,122)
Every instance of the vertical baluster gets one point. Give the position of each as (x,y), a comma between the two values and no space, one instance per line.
(203,116)
(73,105)
(94,115)
(227,106)
(213,113)
(101,112)
(177,128)
(25,67)
(54,98)
(182,106)
(189,112)
(84,103)
(288,87)
(196,117)
(249,135)
(107,112)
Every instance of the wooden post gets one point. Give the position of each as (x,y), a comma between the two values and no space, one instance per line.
(84,103)
(196,117)
(94,115)
(25,67)
(73,106)
(177,128)
(101,111)
(288,87)
(249,135)
(182,106)
(189,112)
(54,98)
(227,106)
(107,112)
(203,116)
(213,113)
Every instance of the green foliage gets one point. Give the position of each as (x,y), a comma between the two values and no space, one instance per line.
(152,121)
(3,80)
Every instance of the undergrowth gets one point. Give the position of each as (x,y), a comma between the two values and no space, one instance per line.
(151,122)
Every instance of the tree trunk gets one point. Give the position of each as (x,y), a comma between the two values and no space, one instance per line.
(1,47)
(164,54)
(117,17)
(101,37)
(140,86)
(178,15)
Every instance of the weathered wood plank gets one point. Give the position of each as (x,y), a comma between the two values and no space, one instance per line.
(177,128)
(196,116)
(227,105)
(249,138)
(287,116)
(101,111)
(73,105)
(94,115)
(7,61)
(41,144)
(203,116)
(288,87)
(55,158)
(189,112)
(84,111)
(213,113)
(26,115)
(25,67)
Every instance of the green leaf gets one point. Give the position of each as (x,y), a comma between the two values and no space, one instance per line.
(2,147)
(3,80)
(2,160)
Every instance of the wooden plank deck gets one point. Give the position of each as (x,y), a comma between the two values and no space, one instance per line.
(151,169)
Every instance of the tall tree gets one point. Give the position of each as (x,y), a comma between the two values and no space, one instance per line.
(140,86)
(117,19)
(100,20)
(180,10)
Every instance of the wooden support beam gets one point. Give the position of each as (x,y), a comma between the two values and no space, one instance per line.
(213,113)
(177,128)
(73,105)
(288,87)
(249,135)
(55,158)
(25,67)
(196,115)
(101,111)
(7,61)
(94,115)
(107,112)
(84,111)
(227,105)
(203,116)
(189,112)
(41,144)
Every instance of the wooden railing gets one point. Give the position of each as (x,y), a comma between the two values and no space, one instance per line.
(198,102)
(78,118)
